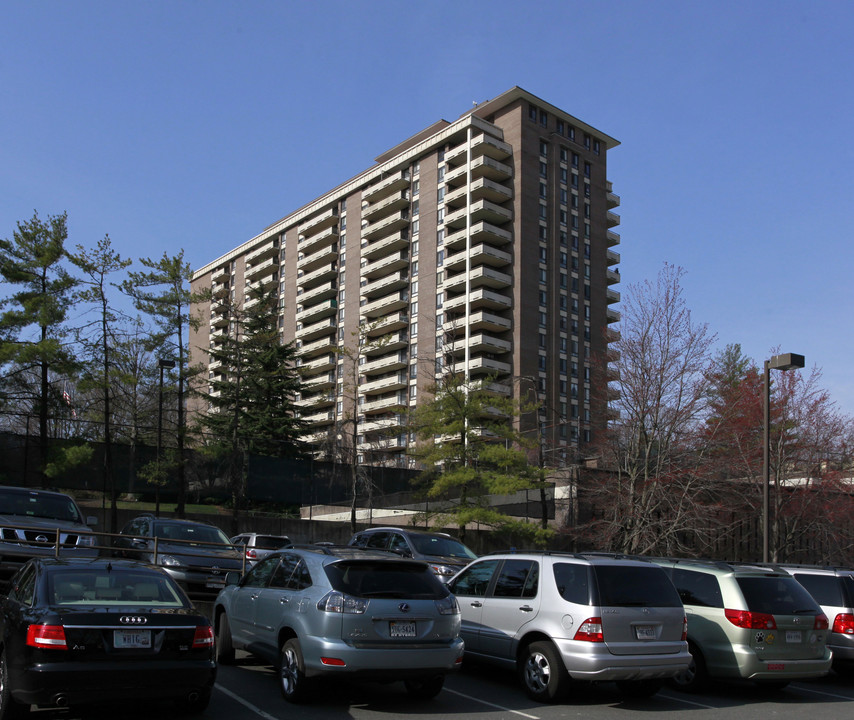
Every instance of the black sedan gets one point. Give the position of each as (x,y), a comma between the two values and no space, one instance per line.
(102,630)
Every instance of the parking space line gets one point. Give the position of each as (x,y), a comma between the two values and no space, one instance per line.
(688,702)
(821,692)
(250,706)
(493,705)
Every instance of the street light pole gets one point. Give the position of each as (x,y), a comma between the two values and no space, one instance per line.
(163,365)
(787,361)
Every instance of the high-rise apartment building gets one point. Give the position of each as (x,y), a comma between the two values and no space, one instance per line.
(486,242)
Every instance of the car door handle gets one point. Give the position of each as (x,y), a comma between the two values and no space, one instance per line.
(253,596)
(476,603)
(284,599)
(526,608)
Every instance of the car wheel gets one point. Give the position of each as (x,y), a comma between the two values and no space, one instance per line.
(543,673)
(196,704)
(224,646)
(695,677)
(10,709)
(292,679)
(639,688)
(426,687)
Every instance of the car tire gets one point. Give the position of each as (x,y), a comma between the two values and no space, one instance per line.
(195,705)
(224,646)
(695,677)
(425,688)
(543,673)
(292,679)
(10,709)
(639,688)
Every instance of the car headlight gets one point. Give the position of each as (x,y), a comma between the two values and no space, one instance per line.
(85,541)
(170,561)
(443,570)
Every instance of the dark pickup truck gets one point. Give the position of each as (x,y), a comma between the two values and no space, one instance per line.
(38,523)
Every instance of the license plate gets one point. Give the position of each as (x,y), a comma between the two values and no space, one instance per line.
(645,632)
(215,583)
(135,639)
(401,629)
(794,636)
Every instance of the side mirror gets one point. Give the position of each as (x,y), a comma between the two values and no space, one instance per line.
(232,578)
(92,521)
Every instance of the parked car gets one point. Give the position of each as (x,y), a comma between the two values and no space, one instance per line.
(82,631)
(324,611)
(445,555)
(256,546)
(195,554)
(558,616)
(748,622)
(833,589)
(29,523)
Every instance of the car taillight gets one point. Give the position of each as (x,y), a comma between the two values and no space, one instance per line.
(821,622)
(590,630)
(844,623)
(684,628)
(203,637)
(49,637)
(251,554)
(338,602)
(751,620)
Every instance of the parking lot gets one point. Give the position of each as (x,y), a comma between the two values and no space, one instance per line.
(249,690)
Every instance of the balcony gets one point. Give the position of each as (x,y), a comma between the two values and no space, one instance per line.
(325,256)
(480,232)
(262,285)
(481,189)
(385,245)
(312,243)
(220,275)
(307,333)
(387,186)
(395,381)
(264,267)
(478,321)
(612,316)
(318,222)
(484,366)
(384,285)
(484,167)
(315,277)
(315,312)
(326,362)
(480,342)
(612,238)
(480,298)
(324,417)
(394,361)
(612,200)
(612,296)
(613,258)
(384,325)
(612,277)
(315,401)
(480,210)
(219,290)
(385,305)
(388,444)
(268,248)
(481,255)
(397,221)
(312,349)
(318,382)
(480,276)
(481,145)
(384,404)
(321,292)
(374,212)
(383,345)
(385,265)
(612,219)
(383,425)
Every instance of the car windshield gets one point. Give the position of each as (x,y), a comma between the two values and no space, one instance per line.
(441,546)
(110,586)
(385,579)
(36,504)
(777,596)
(270,542)
(190,533)
(634,586)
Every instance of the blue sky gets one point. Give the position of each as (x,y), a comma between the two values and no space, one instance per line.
(194,125)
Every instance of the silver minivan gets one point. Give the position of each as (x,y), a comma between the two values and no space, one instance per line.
(559,616)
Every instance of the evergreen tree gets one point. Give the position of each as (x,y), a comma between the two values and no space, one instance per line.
(32,322)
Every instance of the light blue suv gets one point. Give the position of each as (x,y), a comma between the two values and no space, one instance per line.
(322,611)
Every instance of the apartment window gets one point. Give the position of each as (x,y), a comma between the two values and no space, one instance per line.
(544,148)
(440,216)
(563,322)
(543,213)
(413,370)
(587,249)
(541,362)
(563,217)
(560,126)
(440,258)
(543,298)
(563,195)
(561,366)
(544,118)
(532,113)
(543,254)
(586,169)
(563,175)
(587,209)
(561,386)
(573,180)
(341,296)
(587,230)
(416,167)
(342,258)
(587,141)
(341,315)
(544,233)
(544,169)
(441,173)
(544,190)
(416,224)
(440,319)
(440,297)
(414,247)
(563,259)
(542,319)
(415,207)
(563,302)
(440,237)
(586,291)
(587,189)
(563,280)
(414,287)
(542,341)
(575,222)
(414,267)
(416,187)
(563,237)
(413,329)
(563,154)
(543,278)
(563,344)
(413,390)
(541,384)
(413,308)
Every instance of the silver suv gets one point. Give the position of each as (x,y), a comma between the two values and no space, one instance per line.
(560,616)
(323,611)
(257,546)
(445,555)
(833,590)
(748,622)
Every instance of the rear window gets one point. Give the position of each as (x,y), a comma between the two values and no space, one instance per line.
(634,586)
(776,596)
(113,587)
(385,579)
(573,582)
(269,542)
(441,546)
(826,589)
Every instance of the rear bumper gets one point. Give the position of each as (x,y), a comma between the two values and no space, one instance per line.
(594,662)
(75,683)
(384,663)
